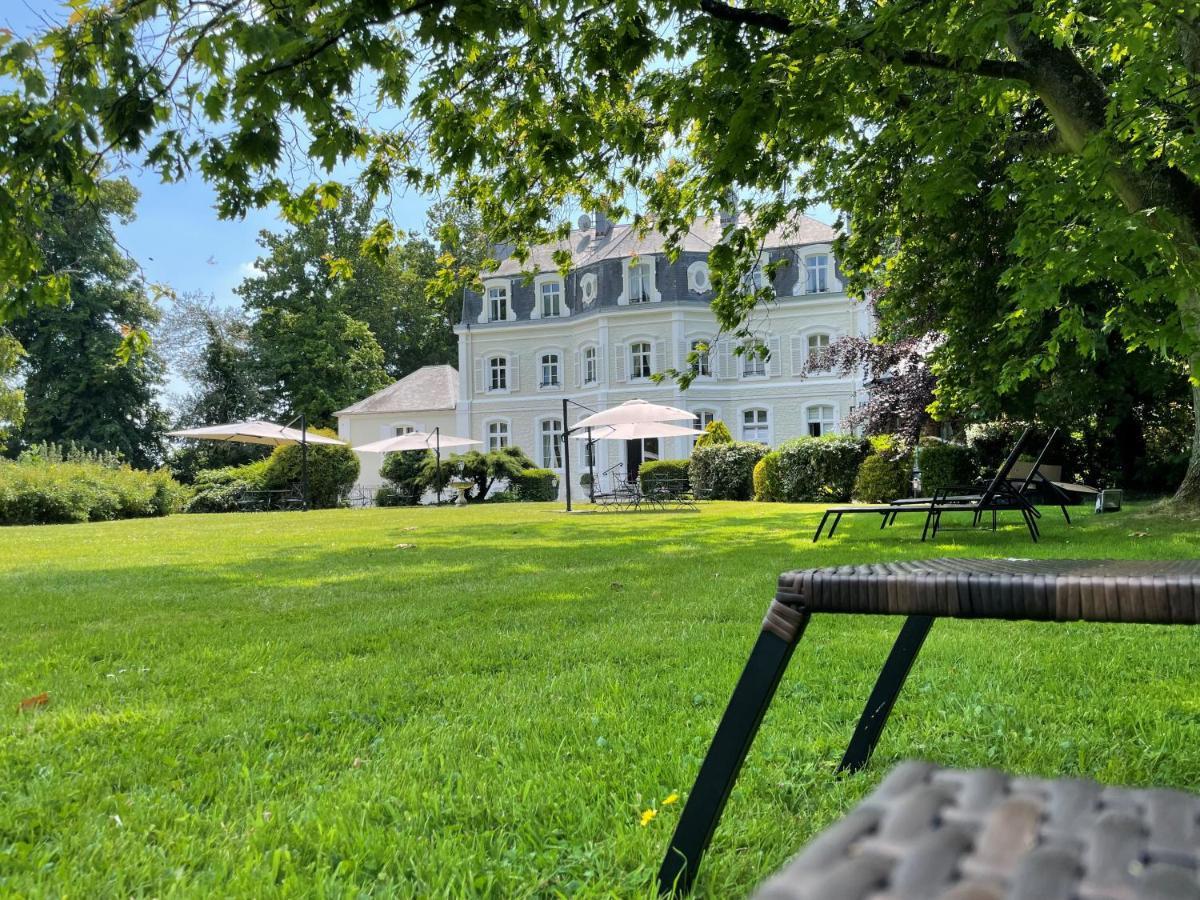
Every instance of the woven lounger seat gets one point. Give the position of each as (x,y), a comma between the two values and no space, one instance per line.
(928,833)
(1157,593)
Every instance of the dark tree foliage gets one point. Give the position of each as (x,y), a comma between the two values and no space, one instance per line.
(78,388)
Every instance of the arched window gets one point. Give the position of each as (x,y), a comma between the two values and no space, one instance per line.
(821,419)
(591,372)
(551,443)
(816,273)
(756,425)
(498,373)
(551,299)
(497,435)
(548,364)
(639,359)
(641,282)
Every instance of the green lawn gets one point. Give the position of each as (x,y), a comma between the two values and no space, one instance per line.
(485,701)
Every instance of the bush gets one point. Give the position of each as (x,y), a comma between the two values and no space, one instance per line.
(715,432)
(659,473)
(944,465)
(41,491)
(883,478)
(332,470)
(535,485)
(993,441)
(725,471)
(813,469)
(405,473)
(766,478)
(220,490)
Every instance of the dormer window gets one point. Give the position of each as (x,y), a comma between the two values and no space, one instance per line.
(551,299)
(641,282)
(497,298)
(816,273)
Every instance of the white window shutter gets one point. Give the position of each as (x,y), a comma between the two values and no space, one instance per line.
(601,364)
(798,354)
(578,382)
(480,374)
(660,355)
(619,363)
(684,349)
(514,373)
(774,364)
(727,360)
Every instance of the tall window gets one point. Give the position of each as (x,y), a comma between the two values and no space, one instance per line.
(816,270)
(703,365)
(756,425)
(551,299)
(820,420)
(817,345)
(753,365)
(549,364)
(590,375)
(641,282)
(401,430)
(552,444)
(639,360)
(497,304)
(497,435)
(704,418)
(498,374)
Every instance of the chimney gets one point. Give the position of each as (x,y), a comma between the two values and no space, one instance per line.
(602,225)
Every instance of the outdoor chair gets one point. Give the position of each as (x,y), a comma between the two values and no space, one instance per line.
(997,497)
(1155,593)
(928,832)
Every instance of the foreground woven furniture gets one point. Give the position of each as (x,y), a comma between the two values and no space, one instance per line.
(1159,592)
(929,833)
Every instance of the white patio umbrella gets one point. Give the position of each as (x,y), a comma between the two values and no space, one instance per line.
(419,440)
(636,431)
(257,431)
(633,412)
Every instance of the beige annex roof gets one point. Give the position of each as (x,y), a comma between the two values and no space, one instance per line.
(428,388)
(624,241)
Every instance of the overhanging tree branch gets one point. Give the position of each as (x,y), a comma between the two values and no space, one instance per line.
(922,59)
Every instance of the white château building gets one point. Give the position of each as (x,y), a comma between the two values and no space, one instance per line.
(623,312)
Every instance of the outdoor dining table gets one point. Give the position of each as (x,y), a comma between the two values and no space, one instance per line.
(1152,592)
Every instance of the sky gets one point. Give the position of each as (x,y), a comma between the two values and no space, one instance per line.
(177,237)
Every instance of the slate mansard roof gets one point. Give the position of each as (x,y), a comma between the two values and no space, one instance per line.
(428,388)
(604,256)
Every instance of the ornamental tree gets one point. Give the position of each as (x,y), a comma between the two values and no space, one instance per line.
(1088,114)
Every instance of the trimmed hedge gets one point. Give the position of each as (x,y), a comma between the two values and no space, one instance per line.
(944,464)
(883,478)
(813,469)
(535,485)
(659,472)
(725,471)
(38,493)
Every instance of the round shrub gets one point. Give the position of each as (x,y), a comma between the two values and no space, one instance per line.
(658,473)
(535,485)
(725,471)
(405,473)
(883,478)
(944,464)
(332,470)
(766,478)
(814,469)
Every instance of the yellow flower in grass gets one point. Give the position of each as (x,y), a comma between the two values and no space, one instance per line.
(671,798)
(648,816)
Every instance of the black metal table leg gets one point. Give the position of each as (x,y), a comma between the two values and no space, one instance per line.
(781,631)
(887,689)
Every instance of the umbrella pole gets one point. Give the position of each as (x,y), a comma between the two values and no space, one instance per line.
(437,440)
(591,445)
(566,454)
(304,461)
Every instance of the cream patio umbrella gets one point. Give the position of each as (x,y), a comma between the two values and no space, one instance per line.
(633,412)
(636,431)
(257,431)
(419,440)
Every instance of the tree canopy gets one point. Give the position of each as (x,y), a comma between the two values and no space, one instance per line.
(1084,115)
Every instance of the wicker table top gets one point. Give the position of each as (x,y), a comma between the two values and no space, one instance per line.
(929,833)
(1156,592)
